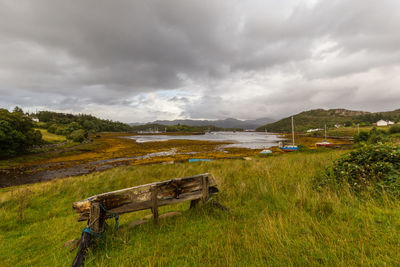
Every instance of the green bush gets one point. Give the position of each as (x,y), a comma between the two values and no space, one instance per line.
(60,130)
(374,136)
(78,135)
(373,167)
(394,129)
(361,137)
(52,128)
(16,133)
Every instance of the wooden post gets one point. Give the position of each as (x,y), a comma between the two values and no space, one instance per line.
(154,208)
(95,218)
(204,196)
(96,223)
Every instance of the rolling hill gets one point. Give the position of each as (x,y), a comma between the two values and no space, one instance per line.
(226,123)
(317,118)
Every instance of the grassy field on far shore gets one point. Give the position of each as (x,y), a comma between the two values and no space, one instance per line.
(277,219)
(51,138)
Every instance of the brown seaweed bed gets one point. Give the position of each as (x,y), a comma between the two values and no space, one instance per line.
(109,151)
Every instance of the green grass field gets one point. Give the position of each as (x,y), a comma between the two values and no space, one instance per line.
(51,138)
(351,131)
(277,219)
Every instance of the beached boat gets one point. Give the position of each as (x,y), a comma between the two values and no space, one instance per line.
(324,143)
(292,147)
(266,151)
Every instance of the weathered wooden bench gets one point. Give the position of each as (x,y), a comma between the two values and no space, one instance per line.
(96,209)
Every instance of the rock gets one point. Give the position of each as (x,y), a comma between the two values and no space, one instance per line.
(136,223)
(170,214)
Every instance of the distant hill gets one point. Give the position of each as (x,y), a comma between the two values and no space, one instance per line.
(226,123)
(317,118)
(180,128)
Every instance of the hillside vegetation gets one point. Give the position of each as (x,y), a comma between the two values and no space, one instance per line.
(77,127)
(277,219)
(317,118)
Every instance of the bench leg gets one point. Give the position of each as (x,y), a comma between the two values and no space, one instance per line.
(154,208)
(194,202)
(96,222)
(84,244)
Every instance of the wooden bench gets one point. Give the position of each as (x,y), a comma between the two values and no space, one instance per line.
(96,209)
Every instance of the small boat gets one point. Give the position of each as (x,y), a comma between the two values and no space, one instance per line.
(198,160)
(292,147)
(324,143)
(266,151)
(289,148)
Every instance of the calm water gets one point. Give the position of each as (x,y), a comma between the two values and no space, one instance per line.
(254,140)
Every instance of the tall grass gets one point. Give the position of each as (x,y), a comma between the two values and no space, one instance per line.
(277,219)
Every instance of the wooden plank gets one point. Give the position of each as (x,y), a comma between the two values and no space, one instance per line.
(139,197)
(137,206)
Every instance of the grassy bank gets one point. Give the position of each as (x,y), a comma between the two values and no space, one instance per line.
(277,219)
(50,137)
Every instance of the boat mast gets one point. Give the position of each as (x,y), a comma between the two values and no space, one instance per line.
(292,131)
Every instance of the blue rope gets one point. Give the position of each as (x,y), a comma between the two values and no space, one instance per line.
(111,215)
(90,231)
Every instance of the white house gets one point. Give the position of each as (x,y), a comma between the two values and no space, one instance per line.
(384,123)
(35,119)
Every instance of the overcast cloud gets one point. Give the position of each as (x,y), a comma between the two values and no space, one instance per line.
(138,61)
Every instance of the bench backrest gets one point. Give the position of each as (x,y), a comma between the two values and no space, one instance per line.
(144,196)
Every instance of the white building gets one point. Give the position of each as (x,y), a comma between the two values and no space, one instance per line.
(384,123)
(313,130)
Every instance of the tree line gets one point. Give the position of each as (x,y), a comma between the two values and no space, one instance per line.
(77,127)
(18,134)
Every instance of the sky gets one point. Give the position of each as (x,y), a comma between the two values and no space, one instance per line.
(139,61)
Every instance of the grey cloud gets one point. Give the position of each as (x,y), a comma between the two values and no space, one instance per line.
(65,55)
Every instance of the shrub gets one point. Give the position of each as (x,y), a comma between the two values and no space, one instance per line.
(52,128)
(373,167)
(377,136)
(60,130)
(78,135)
(394,129)
(361,137)
(374,136)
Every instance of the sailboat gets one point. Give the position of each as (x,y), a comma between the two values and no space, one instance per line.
(292,147)
(324,143)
